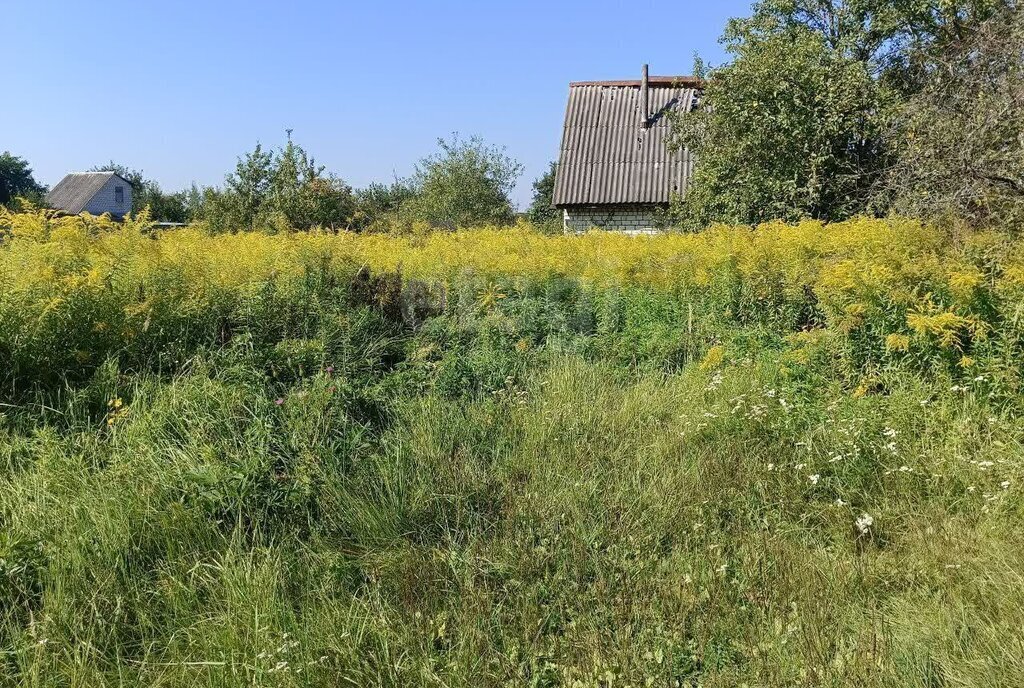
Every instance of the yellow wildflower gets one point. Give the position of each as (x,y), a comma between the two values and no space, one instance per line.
(897,342)
(713,358)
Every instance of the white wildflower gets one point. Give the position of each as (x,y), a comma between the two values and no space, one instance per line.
(864,523)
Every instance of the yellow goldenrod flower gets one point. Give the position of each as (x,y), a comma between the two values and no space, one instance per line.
(713,358)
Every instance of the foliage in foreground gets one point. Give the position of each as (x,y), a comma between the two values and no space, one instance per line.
(787,456)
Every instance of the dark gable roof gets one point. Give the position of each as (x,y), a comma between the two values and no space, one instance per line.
(607,157)
(74,191)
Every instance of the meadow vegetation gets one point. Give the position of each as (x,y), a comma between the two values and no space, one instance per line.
(783,456)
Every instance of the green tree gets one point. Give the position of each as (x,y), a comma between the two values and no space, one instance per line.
(378,203)
(16,180)
(246,192)
(541,212)
(960,153)
(278,190)
(788,129)
(466,183)
(303,195)
(793,126)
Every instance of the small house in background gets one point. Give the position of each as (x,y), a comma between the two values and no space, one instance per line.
(615,168)
(92,192)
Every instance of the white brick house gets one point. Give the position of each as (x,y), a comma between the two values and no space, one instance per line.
(92,192)
(615,169)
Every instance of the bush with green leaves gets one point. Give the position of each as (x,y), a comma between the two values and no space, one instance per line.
(16,181)
(541,211)
(277,190)
(465,184)
(797,124)
(960,155)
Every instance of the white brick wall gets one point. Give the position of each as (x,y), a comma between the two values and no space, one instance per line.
(633,219)
(105,199)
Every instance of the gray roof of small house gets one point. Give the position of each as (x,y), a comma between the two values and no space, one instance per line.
(607,157)
(74,191)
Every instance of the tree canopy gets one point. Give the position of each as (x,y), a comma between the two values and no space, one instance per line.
(282,189)
(798,123)
(541,212)
(466,183)
(16,180)
(958,142)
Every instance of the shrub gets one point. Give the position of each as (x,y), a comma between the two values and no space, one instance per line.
(465,184)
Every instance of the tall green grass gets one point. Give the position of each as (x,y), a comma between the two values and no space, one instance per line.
(575,527)
(338,480)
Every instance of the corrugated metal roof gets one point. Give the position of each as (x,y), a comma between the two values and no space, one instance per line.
(607,157)
(686,81)
(74,191)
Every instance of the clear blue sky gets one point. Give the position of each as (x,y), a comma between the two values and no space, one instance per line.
(181,89)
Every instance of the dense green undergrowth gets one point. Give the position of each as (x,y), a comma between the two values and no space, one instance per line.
(349,479)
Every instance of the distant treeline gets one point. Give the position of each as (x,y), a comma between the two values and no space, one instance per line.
(465,183)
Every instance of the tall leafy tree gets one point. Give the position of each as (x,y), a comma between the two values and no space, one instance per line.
(277,190)
(16,180)
(378,202)
(246,191)
(541,212)
(466,183)
(788,129)
(303,195)
(960,151)
(793,125)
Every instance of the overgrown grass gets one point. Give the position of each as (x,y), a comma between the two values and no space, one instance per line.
(320,476)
